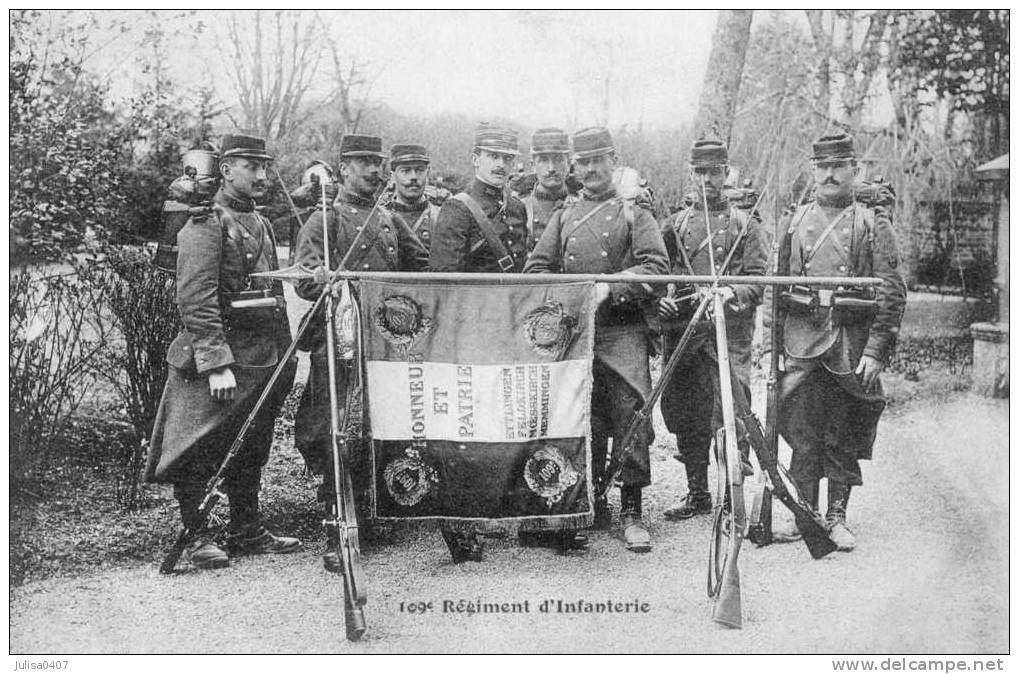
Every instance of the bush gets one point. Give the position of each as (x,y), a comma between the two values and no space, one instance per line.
(53,352)
(140,319)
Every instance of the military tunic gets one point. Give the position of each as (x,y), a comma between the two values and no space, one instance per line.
(384,243)
(688,413)
(540,205)
(824,413)
(458,243)
(602,235)
(420,216)
(193,431)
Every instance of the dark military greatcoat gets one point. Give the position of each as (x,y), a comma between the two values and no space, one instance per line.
(603,235)
(192,431)
(383,243)
(687,411)
(824,413)
(458,243)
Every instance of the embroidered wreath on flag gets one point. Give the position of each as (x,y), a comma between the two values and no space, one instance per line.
(400,320)
(549,474)
(549,329)
(409,479)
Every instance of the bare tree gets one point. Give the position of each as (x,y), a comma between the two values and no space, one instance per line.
(725,70)
(353,79)
(272,65)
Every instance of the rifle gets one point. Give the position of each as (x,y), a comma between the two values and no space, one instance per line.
(296,224)
(213,488)
(730,510)
(760,532)
(342,530)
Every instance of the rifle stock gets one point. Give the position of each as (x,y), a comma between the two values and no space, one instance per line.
(728,608)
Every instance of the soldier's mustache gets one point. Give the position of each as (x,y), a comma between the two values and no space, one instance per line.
(830,181)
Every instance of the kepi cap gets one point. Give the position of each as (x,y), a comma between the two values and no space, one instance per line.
(407,153)
(353,145)
(709,153)
(496,139)
(835,146)
(238,145)
(550,141)
(592,142)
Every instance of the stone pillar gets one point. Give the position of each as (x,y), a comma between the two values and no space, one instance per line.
(990,359)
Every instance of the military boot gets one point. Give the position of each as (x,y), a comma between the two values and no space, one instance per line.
(636,535)
(563,541)
(838,499)
(697,500)
(203,552)
(257,540)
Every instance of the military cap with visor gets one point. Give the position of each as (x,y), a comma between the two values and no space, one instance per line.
(550,141)
(354,145)
(408,153)
(238,145)
(496,139)
(593,141)
(709,153)
(833,147)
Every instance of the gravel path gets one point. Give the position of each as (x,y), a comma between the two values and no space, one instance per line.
(930,575)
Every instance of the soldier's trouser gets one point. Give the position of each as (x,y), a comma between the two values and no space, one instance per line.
(829,422)
(613,403)
(691,404)
(312,427)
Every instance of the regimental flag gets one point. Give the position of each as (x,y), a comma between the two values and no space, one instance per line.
(479,401)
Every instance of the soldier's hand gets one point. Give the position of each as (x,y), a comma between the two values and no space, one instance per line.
(668,307)
(728,294)
(320,276)
(868,370)
(765,361)
(601,292)
(222,384)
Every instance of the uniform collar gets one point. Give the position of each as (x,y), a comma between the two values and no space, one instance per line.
(842,202)
(604,196)
(719,204)
(482,188)
(349,197)
(543,194)
(400,207)
(241,204)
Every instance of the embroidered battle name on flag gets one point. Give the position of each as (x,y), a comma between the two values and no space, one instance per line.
(479,401)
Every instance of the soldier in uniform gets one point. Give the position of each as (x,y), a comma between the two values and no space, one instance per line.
(409,164)
(690,414)
(836,343)
(482,229)
(221,362)
(602,234)
(307,198)
(550,159)
(381,242)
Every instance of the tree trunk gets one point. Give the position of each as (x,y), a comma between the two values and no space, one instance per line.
(725,70)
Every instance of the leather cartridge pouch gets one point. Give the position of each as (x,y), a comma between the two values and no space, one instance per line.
(853,306)
(249,309)
(799,300)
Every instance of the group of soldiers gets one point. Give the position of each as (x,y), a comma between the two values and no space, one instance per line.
(830,395)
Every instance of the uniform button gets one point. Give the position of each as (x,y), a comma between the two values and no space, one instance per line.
(808,248)
(353,210)
(605,234)
(391,249)
(246,235)
(358,228)
(364,246)
(509,242)
(366,265)
(810,228)
(510,228)
(806,265)
(845,230)
(249,255)
(572,258)
(604,254)
(608,217)
(385,228)
(573,238)
(187,348)
(842,267)
(719,249)
(424,234)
